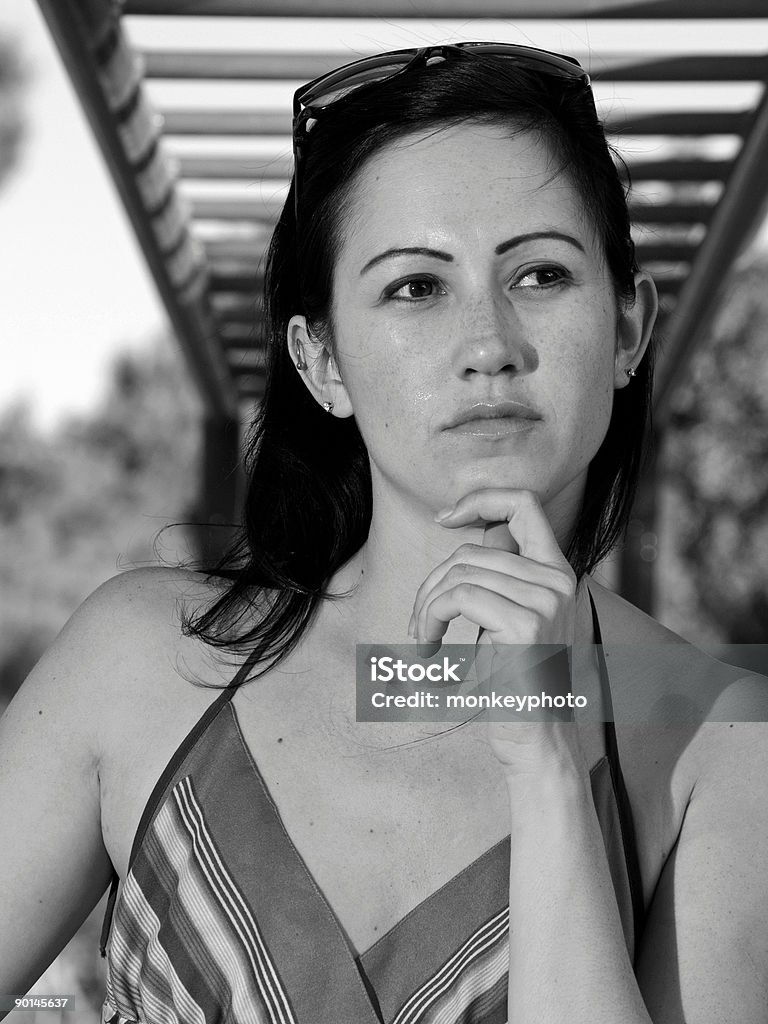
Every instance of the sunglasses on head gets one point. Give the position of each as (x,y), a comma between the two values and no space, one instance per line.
(312,99)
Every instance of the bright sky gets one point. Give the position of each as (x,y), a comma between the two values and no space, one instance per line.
(73,282)
(74,288)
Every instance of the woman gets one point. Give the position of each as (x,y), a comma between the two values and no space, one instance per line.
(459,382)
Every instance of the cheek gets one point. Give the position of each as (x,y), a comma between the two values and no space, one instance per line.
(391,381)
(583,375)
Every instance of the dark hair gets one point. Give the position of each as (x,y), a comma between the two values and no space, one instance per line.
(308,504)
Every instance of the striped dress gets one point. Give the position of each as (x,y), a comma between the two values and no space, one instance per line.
(209,929)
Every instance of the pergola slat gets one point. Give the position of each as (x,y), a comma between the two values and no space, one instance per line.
(679,170)
(228,166)
(249,65)
(672,252)
(226,122)
(77,29)
(717,68)
(683,122)
(670,213)
(507,9)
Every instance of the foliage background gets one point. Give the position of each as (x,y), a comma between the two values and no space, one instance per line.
(77,507)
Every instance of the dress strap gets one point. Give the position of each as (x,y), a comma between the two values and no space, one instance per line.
(161,785)
(622,797)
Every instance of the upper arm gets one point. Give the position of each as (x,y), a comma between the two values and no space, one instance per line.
(53,863)
(704,954)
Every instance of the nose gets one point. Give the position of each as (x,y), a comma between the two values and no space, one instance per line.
(491,339)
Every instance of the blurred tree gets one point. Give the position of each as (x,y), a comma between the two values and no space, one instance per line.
(12,78)
(716,466)
(78,506)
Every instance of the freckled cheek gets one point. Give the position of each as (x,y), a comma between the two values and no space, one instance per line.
(391,382)
(581,370)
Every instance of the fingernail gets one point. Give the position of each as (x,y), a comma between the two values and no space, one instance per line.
(444,513)
(428,648)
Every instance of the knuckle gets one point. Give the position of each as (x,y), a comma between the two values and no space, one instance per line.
(529,498)
(550,605)
(459,571)
(465,550)
(563,581)
(530,621)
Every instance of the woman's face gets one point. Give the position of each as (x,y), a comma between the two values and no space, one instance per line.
(475,320)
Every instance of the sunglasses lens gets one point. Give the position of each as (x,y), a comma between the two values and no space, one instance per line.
(324,94)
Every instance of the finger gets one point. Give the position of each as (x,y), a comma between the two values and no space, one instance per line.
(520,509)
(498,537)
(499,616)
(532,595)
(467,557)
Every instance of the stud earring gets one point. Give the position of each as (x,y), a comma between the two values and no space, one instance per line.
(328,406)
(301,365)
(630,371)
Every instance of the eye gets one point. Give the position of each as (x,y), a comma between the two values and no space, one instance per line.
(414,289)
(542,277)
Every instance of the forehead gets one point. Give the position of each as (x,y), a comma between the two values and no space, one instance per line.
(470,181)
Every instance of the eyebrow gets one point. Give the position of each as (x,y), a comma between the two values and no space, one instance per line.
(532,236)
(411,250)
(511,243)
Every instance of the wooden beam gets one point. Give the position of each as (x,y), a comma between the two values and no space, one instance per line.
(717,68)
(236,307)
(507,9)
(229,166)
(252,208)
(90,41)
(235,279)
(665,252)
(254,65)
(216,514)
(670,213)
(679,170)
(234,250)
(682,122)
(227,122)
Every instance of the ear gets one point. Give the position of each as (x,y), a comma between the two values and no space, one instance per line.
(634,327)
(318,369)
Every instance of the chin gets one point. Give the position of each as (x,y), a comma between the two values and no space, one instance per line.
(503,473)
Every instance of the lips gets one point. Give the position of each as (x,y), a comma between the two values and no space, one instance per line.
(486,412)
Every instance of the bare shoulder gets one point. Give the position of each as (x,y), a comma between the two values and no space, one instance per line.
(658,678)
(684,717)
(117,648)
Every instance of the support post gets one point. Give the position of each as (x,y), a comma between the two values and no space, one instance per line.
(218,511)
(637,564)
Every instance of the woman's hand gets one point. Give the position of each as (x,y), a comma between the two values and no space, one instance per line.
(523,597)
